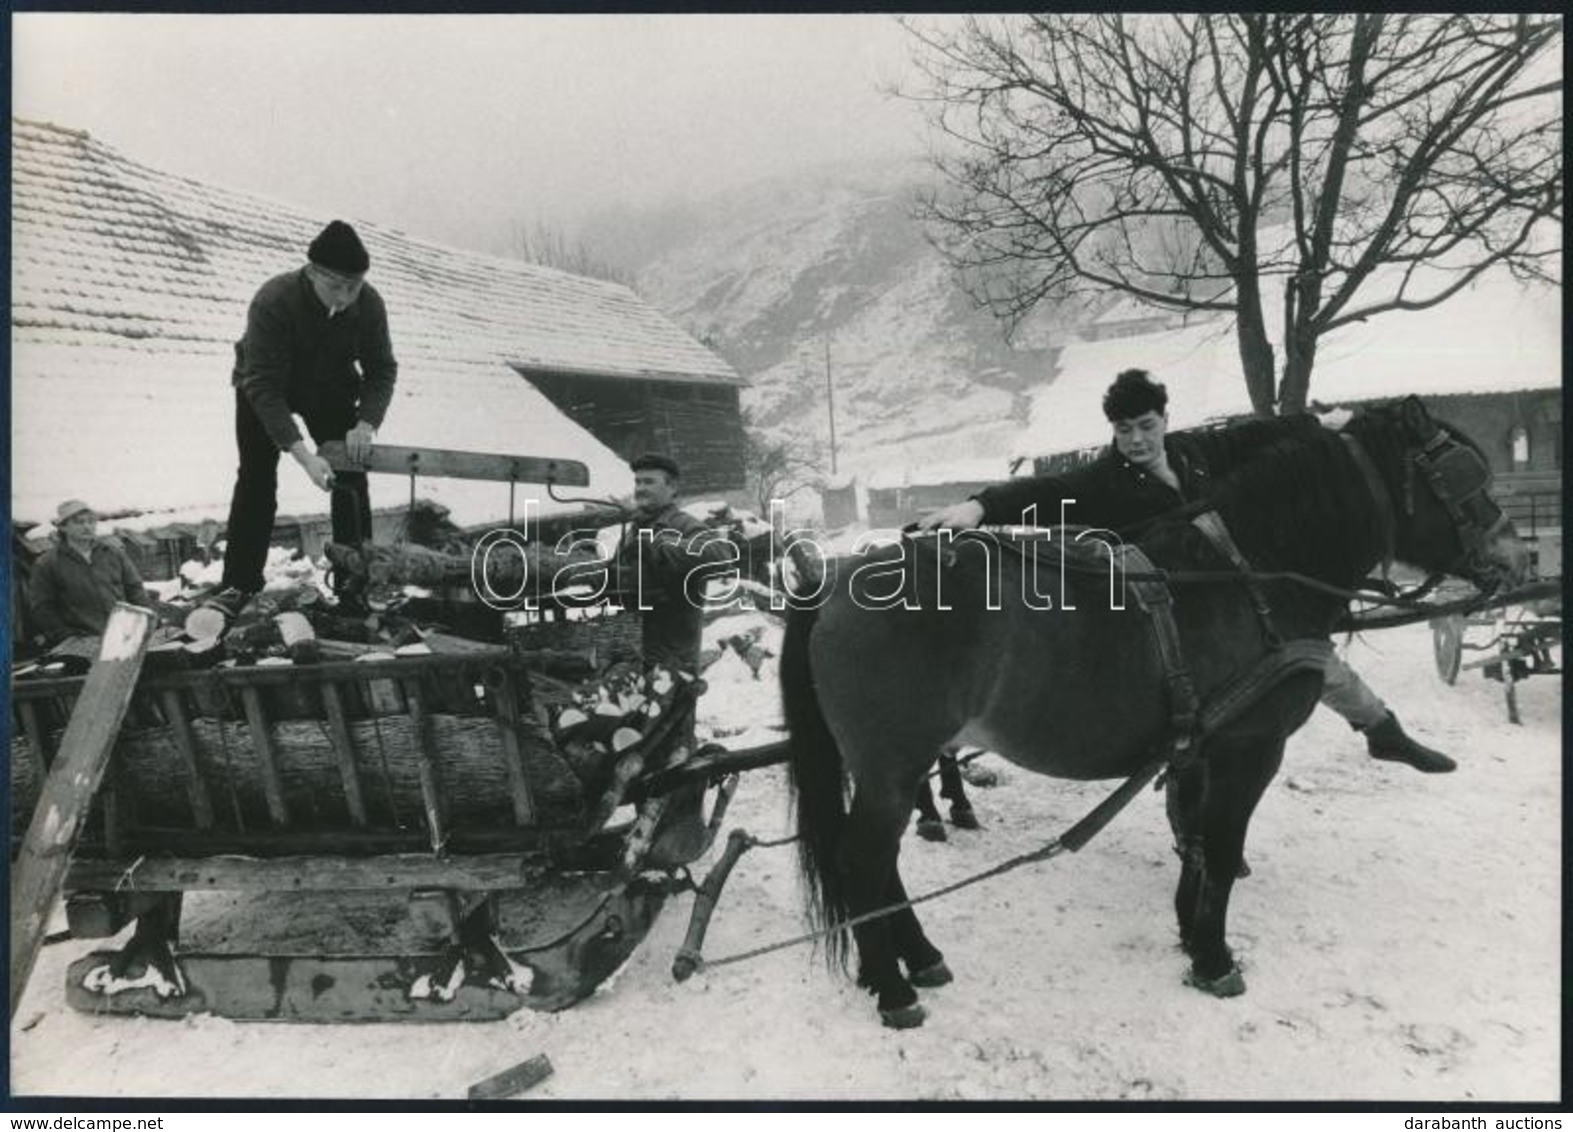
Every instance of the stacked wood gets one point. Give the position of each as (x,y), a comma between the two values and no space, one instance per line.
(509,568)
(466,756)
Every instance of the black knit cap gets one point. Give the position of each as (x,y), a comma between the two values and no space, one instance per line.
(655,461)
(338,248)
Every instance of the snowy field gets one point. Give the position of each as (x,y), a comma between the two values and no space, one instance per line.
(1400,937)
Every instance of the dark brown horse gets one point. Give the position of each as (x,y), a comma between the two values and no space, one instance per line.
(901,653)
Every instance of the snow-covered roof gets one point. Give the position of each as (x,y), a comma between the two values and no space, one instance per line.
(1131,309)
(968,469)
(1495,336)
(130,286)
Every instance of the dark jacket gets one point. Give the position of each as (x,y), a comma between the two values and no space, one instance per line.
(671,597)
(1113,493)
(294,357)
(69,596)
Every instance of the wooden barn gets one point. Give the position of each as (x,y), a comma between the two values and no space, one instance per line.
(130,286)
(694,416)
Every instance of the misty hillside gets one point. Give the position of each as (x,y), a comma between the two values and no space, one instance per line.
(766,275)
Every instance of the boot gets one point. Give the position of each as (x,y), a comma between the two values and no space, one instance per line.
(1386,740)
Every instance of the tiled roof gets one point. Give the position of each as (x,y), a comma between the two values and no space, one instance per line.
(130,286)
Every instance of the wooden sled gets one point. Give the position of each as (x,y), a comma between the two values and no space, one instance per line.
(429,783)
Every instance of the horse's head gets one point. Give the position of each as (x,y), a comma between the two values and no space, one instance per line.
(1433,487)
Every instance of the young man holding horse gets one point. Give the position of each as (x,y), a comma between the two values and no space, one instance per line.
(1203,677)
(1148,471)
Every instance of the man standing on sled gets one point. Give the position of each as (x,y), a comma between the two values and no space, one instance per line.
(317,345)
(1146,472)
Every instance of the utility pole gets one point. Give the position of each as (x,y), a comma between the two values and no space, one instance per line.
(830,400)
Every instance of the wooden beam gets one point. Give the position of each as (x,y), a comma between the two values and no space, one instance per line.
(267,758)
(431,793)
(196,788)
(38,753)
(506,691)
(51,836)
(344,751)
(482,872)
(449,464)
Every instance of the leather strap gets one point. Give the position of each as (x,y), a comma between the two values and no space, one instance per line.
(1157,603)
(1212,526)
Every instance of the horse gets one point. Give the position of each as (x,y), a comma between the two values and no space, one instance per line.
(877,677)
(930,826)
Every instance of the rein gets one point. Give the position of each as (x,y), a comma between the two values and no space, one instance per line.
(1278,664)
(1205,577)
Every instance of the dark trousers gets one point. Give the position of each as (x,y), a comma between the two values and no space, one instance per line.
(255,502)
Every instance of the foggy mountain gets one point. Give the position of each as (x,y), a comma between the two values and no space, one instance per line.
(771,274)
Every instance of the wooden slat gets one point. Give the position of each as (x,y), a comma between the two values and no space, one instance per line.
(482,872)
(241,677)
(447,463)
(267,758)
(513,749)
(51,836)
(568,844)
(38,752)
(196,788)
(110,807)
(344,751)
(431,795)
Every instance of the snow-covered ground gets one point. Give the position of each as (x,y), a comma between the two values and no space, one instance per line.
(1400,937)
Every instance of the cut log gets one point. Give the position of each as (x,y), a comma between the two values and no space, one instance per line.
(206,623)
(512,1082)
(294,628)
(508,569)
(68,791)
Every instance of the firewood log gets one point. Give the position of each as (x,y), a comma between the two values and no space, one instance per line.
(507,567)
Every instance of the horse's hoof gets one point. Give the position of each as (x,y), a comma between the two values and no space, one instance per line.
(976,775)
(964,818)
(903,1017)
(1227,985)
(936,974)
(931,829)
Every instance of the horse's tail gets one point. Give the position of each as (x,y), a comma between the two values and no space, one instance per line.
(817,784)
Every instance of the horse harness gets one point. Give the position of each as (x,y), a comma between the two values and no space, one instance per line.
(1460,480)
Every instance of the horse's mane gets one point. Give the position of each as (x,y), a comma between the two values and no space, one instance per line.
(1303,498)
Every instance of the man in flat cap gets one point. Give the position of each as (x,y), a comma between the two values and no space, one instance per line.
(667,557)
(316,344)
(78,580)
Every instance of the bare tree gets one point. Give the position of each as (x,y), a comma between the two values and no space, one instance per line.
(777,468)
(1341,165)
(549,247)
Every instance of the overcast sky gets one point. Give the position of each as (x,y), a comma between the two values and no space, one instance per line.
(455,127)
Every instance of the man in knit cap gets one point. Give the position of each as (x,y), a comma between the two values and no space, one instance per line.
(317,345)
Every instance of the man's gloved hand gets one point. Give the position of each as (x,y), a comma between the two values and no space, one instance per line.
(957,517)
(358,441)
